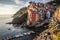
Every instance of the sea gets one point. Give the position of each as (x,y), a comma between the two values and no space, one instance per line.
(8,30)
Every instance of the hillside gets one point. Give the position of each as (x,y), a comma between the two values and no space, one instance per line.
(20,12)
(21,15)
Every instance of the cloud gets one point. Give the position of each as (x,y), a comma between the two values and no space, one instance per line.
(18,1)
(45,1)
(7,2)
(12,6)
(8,9)
(8,6)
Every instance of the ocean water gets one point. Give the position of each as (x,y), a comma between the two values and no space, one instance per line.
(4,32)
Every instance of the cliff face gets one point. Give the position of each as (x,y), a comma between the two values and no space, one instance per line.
(20,12)
(20,16)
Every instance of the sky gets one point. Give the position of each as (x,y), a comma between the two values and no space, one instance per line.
(12,6)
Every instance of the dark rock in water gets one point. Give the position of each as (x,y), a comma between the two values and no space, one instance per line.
(9,29)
